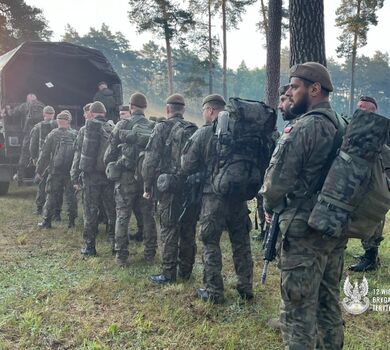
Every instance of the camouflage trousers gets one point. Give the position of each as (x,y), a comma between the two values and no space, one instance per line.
(139,217)
(97,189)
(311,270)
(216,216)
(40,198)
(178,239)
(376,239)
(56,186)
(128,199)
(24,157)
(260,211)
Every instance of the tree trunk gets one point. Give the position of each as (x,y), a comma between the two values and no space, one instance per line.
(274,35)
(169,65)
(224,67)
(265,19)
(353,65)
(210,51)
(307,36)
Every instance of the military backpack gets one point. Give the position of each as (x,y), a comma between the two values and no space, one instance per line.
(243,133)
(63,154)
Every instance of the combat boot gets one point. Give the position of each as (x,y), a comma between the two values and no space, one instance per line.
(204,295)
(88,250)
(57,217)
(46,223)
(122,261)
(162,279)
(368,262)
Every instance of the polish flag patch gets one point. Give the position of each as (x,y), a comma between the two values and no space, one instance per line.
(288,129)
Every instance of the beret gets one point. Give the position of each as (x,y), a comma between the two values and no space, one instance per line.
(214,97)
(314,72)
(97,107)
(138,100)
(175,99)
(283,89)
(368,99)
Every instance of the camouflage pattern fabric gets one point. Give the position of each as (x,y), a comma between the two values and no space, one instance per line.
(218,214)
(311,267)
(376,239)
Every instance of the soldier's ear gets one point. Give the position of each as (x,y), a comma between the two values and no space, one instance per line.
(315,89)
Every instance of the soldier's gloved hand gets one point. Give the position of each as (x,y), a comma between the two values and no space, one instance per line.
(146,195)
(127,136)
(268,217)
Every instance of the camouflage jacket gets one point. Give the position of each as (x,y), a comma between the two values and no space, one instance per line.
(156,160)
(106,96)
(49,148)
(75,171)
(298,164)
(199,155)
(38,136)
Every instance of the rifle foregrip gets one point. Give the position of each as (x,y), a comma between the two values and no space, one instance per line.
(264,273)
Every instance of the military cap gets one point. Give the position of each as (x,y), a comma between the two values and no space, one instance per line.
(314,72)
(139,100)
(49,110)
(124,109)
(175,99)
(368,99)
(97,107)
(283,89)
(214,98)
(64,116)
(87,107)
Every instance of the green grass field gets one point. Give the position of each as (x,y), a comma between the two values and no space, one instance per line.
(51,298)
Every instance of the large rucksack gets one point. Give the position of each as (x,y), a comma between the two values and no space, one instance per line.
(355,195)
(243,135)
(34,114)
(63,154)
(180,132)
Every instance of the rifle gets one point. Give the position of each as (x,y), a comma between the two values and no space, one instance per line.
(193,195)
(270,245)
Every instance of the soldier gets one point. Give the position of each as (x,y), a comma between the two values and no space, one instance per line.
(57,155)
(218,214)
(129,187)
(369,261)
(106,96)
(162,155)
(37,138)
(31,113)
(311,265)
(97,188)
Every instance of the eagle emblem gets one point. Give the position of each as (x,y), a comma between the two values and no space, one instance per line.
(356,301)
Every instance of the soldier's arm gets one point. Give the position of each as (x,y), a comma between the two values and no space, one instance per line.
(112,151)
(193,155)
(314,138)
(75,169)
(45,156)
(153,154)
(34,142)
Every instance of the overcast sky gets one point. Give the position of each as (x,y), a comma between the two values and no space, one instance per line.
(243,44)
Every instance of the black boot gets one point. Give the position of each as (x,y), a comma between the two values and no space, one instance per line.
(46,223)
(57,217)
(162,279)
(204,295)
(368,262)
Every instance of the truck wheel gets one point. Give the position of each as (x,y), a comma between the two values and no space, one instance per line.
(4,188)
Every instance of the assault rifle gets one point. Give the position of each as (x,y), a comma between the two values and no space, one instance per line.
(193,195)
(270,245)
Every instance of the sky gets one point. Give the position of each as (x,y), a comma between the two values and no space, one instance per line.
(246,43)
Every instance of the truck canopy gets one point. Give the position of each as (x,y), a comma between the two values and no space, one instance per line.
(61,74)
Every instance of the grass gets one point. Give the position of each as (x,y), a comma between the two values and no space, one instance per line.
(52,298)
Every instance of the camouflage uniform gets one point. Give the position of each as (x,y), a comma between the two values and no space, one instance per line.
(106,96)
(178,239)
(57,182)
(37,138)
(218,214)
(129,196)
(311,266)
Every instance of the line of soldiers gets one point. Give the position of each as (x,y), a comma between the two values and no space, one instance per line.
(145,162)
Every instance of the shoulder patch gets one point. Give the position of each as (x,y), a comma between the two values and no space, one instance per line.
(287,129)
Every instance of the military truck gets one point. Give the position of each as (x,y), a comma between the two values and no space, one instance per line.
(60,74)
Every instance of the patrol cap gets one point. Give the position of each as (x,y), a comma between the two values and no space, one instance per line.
(283,89)
(214,98)
(49,110)
(175,99)
(368,99)
(97,107)
(124,109)
(64,116)
(139,100)
(87,107)
(314,72)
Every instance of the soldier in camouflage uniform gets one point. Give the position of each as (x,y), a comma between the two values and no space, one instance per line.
(96,188)
(37,138)
(129,187)
(106,96)
(369,261)
(218,214)
(178,239)
(311,265)
(58,180)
